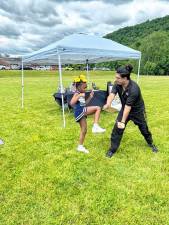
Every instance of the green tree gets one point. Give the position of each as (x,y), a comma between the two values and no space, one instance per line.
(155,53)
(152,39)
(149,68)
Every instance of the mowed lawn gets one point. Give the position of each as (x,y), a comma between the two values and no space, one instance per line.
(44,180)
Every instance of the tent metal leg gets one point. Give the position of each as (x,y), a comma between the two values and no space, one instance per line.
(62,92)
(22,103)
(87,72)
(138,74)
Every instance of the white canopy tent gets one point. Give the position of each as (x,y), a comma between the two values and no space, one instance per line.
(79,49)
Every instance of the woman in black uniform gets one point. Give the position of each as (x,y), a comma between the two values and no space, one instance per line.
(132,109)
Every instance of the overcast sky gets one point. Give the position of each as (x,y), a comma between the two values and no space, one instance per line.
(27,25)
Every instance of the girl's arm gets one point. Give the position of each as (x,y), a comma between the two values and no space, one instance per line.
(75,98)
(90,97)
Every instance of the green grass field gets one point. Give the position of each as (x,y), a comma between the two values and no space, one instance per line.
(43,180)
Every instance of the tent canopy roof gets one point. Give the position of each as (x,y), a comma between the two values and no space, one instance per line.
(77,48)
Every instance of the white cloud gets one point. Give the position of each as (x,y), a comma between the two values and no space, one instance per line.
(147,10)
(31,24)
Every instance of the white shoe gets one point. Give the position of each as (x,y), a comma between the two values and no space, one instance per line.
(1,142)
(81,148)
(97,129)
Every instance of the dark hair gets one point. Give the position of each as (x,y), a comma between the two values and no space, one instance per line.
(78,84)
(125,71)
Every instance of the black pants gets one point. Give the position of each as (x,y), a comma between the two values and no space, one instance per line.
(139,119)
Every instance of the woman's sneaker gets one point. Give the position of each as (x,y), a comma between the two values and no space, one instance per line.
(1,142)
(154,148)
(81,148)
(97,129)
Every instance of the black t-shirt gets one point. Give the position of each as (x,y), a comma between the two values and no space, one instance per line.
(131,96)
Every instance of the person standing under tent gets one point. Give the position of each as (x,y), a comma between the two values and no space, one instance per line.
(133,108)
(78,102)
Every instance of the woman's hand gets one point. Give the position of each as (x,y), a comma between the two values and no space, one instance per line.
(120,125)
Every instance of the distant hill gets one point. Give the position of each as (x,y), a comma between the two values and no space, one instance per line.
(152,39)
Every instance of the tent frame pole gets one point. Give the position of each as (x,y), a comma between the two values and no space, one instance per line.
(138,73)
(87,71)
(62,91)
(22,86)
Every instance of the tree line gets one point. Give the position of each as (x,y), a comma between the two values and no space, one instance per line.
(152,39)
